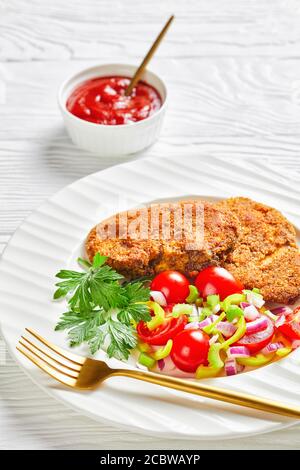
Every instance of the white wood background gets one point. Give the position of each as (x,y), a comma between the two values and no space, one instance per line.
(233,71)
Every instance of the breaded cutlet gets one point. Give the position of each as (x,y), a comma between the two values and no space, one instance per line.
(155,250)
(266,255)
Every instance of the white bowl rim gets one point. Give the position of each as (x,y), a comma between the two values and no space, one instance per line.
(63,108)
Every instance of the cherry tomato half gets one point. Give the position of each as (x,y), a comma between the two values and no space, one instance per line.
(173,284)
(216,280)
(190,349)
(258,341)
(162,334)
(291,327)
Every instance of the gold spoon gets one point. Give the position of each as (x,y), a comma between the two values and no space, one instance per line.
(148,57)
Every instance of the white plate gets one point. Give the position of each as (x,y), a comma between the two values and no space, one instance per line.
(51,239)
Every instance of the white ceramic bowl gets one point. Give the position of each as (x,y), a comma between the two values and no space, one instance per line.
(112,140)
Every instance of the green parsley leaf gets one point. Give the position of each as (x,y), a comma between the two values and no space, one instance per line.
(66,274)
(99,260)
(97,340)
(101,309)
(73,280)
(136,292)
(84,263)
(107,295)
(82,297)
(134,310)
(80,325)
(95,329)
(68,320)
(122,340)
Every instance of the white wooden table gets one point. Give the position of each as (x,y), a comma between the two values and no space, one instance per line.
(233,70)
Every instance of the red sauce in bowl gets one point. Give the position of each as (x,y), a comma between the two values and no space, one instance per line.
(102,101)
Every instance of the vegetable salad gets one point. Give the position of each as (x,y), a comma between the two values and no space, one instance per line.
(207,326)
(218,333)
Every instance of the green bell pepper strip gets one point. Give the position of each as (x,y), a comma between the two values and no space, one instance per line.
(233,311)
(146,360)
(201,316)
(269,314)
(235,299)
(256,290)
(281,352)
(205,312)
(205,372)
(217,332)
(215,363)
(193,295)
(213,357)
(193,319)
(144,347)
(255,361)
(159,315)
(163,352)
(182,309)
(212,301)
(210,328)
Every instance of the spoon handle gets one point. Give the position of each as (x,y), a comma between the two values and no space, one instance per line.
(148,57)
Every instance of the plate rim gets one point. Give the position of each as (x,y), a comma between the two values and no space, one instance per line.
(80,409)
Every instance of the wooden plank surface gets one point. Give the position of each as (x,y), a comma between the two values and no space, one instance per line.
(233,73)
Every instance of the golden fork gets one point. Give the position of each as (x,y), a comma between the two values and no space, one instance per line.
(84,373)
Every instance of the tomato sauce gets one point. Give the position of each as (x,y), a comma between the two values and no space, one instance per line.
(102,101)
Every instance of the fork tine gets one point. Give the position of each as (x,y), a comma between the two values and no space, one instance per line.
(62,352)
(60,360)
(53,373)
(50,362)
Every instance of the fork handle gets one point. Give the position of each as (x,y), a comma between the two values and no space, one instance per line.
(216,393)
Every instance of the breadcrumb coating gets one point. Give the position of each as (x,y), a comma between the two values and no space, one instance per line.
(186,236)
(266,255)
(256,243)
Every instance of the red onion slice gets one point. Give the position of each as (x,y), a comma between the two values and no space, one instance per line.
(207,321)
(213,317)
(280,321)
(255,299)
(244,305)
(251,313)
(257,325)
(272,347)
(226,328)
(158,297)
(213,339)
(191,325)
(282,311)
(161,364)
(238,351)
(196,324)
(230,367)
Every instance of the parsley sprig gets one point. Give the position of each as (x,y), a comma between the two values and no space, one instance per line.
(102,308)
